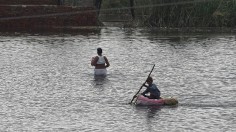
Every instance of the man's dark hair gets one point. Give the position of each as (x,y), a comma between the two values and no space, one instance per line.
(99,50)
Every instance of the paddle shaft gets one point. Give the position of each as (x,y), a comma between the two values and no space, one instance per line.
(142,85)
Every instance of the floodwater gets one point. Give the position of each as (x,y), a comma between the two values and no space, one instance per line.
(47,82)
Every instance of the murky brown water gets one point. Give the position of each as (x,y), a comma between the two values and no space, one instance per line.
(47,83)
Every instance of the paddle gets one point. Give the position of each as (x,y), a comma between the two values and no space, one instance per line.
(142,85)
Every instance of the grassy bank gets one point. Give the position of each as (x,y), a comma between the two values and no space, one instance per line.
(181,13)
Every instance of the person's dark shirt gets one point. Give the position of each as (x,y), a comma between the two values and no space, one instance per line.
(153,90)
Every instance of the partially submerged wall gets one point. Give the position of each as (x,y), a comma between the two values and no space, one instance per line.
(41,17)
(28,2)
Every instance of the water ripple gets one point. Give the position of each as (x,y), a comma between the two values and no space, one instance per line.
(47,83)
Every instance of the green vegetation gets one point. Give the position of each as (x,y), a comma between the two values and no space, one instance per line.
(119,6)
(115,3)
(181,13)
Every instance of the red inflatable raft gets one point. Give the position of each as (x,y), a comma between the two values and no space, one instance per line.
(141,100)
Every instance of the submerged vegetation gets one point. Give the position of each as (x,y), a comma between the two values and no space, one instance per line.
(180,13)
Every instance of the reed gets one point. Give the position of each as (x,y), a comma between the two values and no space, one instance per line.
(181,13)
(215,13)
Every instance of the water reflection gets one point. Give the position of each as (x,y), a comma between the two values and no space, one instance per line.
(150,114)
(99,81)
(150,111)
(58,32)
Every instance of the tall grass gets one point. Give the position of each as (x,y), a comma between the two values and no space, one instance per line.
(210,13)
(216,13)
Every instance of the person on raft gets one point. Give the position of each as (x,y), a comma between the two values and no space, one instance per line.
(152,89)
(100,62)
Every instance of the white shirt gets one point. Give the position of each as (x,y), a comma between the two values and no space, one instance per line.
(101,60)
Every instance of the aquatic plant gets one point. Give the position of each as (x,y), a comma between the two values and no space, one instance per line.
(215,13)
(181,13)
